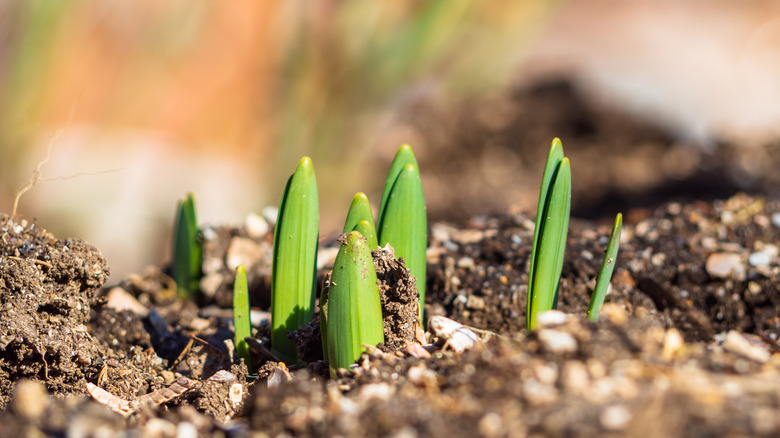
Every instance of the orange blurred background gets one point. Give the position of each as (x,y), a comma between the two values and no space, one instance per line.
(151,100)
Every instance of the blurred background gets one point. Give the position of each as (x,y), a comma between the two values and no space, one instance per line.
(137,103)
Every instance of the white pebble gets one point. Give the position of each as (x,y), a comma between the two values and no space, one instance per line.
(255,225)
(738,344)
(725,265)
(270,214)
(551,318)
(776,219)
(760,259)
(615,418)
(557,342)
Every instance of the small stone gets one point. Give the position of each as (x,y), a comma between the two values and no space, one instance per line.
(551,318)
(614,313)
(157,427)
(209,284)
(270,214)
(491,424)
(738,344)
(575,376)
(186,430)
(475,303)
(558,342)
(754,288)
(615,418)
(725,265)
(255,225)
(119,300)
(236,394)
(242,251)
(374,391)
(673,342)
(776,219)
(759,259)
(538,394)
(466,263)
(29,399)
(421,376)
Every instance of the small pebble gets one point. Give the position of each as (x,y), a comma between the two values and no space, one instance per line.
(574,376)
(466,263)
(209,284)
(119,300)
(255,225)
(242,251)
(615,418)
(725,265)
(475,303)
(29,399)
(551,318)
(776,219)
(738,344)
(374,391)
(673,342)
(760,259)
(270,214)
(557,342)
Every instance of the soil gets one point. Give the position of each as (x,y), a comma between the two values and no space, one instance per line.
(686,345)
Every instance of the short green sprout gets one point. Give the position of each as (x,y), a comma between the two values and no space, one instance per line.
(605,274)
(549,245)
(241,321)
(294,274)
(403,217)
(360,218)
(187,250)
(353,312)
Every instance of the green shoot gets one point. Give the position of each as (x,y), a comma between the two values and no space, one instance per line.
(294,260)
(360,212)
(354,310)
(552,223)
(187,250)
(403,217)
(605,274)
(241,322)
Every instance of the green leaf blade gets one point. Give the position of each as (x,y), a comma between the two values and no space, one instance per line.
(354,310)
(405,225)
(241,321)
(294,262)
(403,157)
(549,244)
(607,267)
(187,250)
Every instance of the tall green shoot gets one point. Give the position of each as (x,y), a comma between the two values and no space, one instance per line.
(607,267)
(187,250)
(241,321)
(549,245)
(403,219)
(354,310)
(293,283)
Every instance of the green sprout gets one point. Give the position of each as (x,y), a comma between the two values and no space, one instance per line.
(187,250)
(403,219)
(552,223)
(241,321)
(353,311)
(605,274)
(294,260)
(360,218)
